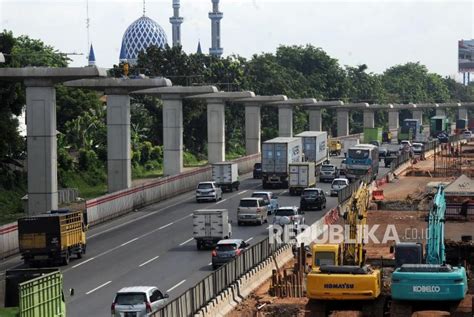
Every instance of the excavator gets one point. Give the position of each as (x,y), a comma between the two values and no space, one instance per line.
(433,282)
(339,276)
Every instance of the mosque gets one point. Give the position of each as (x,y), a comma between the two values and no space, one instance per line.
(145,32)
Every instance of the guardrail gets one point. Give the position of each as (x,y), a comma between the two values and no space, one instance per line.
(345,193)
(196,297)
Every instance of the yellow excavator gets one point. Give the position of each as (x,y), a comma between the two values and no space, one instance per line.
(339,277)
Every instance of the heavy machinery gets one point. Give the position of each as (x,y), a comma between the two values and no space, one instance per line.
(433,282)
(53,236)
(339,276)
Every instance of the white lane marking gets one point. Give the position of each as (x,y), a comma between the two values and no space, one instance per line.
(177,285)
(183,243)
(221,201)
(162,227)
(249,239)
(243,192)
(98,287)
(83,262)
(130,241)
(268,227)
(150,260)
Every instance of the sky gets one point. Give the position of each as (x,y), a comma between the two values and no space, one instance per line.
(379,33)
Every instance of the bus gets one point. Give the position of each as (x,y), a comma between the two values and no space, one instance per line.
(362,159)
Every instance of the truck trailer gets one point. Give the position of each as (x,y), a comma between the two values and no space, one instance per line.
(439,124)
(277,154)
(53,236)
(226,175)
(302,176)
(315,148)
(373,134)
(210,226)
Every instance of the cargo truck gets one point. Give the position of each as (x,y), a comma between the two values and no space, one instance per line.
(226,175)
(302,176)
(277,154)
(53,236)
(210,226)
(439,124)
(416,130)
(348,143)
(335,147)
(373,134)
(314,146)
(34,292)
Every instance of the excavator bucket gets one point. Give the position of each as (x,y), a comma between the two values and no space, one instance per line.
(377,194)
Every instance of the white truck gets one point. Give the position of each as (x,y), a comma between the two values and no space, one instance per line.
(226,175)
(210,226)
(277,154)
(315,148)
(302,176)
(348,143)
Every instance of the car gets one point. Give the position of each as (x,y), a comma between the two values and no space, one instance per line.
(138,301)
(404,144)
(257,170)
(337,185)
(252,210)
(227,250)
(443,137)
(383,151)
(312,198)
(467,134)
(268,197)
(208,191)
(289,216)
(328,172)
(418,148)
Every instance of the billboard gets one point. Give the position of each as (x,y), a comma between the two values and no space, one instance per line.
(466,56)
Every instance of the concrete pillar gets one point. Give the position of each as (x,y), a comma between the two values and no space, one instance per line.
(315,121)
(119,167)
(393,120)
(41,147)
(342,117)
(252,129)
(369,119)
(418,114)
(440,112)
(172,134)
(285,121)
(215,131)
(462,114)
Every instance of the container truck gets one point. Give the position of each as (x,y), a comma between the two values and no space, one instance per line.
(373,134)
(416,129)
(302,175)
(226,175)
(277,154)
(404,134)
(210,226)
(34,292)
(439,124)
(314,146)
(53,236)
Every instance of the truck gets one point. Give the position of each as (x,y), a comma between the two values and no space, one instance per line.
(335,147)
(416,282)
(439,124)
(405,134)
(373,134)
(33,292)
(53,236)
(461,126)
(210,226)
(315,147)
(226,175)
(302,175)
(277,154)
(348,143)
(416,130)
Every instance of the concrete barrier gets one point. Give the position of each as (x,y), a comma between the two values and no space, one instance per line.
(8,239)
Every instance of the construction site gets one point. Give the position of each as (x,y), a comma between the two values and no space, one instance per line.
(424,213)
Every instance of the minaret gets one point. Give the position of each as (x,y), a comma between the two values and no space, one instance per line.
(216,17)
(91,57)
(176,21)
(199,50)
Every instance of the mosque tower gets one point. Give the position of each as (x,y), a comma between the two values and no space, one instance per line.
(176,21)
(216,17)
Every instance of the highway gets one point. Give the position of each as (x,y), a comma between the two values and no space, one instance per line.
(154,246)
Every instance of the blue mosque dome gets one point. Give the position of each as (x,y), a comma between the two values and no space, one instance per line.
(140,35)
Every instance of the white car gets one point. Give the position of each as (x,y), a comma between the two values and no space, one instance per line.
(338,184)
(418,148)
(138,301)
(467,134)
(208,191)
(405,145)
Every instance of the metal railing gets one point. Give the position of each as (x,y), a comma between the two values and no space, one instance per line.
(196,297)
(345,193)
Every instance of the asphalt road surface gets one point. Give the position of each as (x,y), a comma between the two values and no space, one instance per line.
(154,246)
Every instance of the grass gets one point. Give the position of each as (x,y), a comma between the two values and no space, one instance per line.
(90,184)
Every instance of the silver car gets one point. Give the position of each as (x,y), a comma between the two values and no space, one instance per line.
(289,216)
(138,301)
(337,185)
(208,191)
(253,210)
